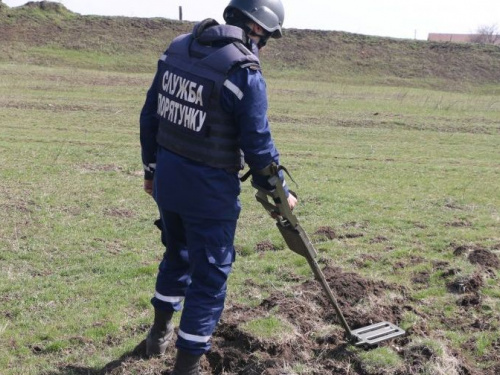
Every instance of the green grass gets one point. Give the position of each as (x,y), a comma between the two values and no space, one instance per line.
(79,251)
(381,361)
(269,328)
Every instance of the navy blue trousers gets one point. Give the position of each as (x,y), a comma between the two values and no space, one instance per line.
(194,271)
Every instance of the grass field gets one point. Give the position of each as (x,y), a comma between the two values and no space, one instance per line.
(398,186)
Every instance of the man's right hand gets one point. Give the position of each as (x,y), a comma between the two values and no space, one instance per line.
(292,201)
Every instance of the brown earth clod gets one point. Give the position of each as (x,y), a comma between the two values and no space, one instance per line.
(484,258)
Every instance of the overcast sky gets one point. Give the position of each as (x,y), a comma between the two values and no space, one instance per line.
(393,18)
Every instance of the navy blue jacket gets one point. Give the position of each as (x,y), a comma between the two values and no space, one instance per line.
(189,187)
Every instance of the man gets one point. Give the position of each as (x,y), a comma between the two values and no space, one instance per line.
(205,109)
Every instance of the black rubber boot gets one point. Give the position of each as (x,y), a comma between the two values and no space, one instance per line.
(186,363)
(160,334)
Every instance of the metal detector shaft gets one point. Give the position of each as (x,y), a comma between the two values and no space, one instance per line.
(296,238)
(298,241)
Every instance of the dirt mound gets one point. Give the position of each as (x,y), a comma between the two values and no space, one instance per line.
(469,300)
(462,249)
(351,287)
(469,284)
(417,356)
(469,287)
(484,258)
(325,232)
(265,246)
(476,254)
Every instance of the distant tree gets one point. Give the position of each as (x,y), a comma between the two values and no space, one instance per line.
(487,34)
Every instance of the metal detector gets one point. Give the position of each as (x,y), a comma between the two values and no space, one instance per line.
(298,241)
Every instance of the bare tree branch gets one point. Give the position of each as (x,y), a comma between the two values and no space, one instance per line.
(487,34)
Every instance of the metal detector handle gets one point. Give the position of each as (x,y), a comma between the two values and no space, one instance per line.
(278,205)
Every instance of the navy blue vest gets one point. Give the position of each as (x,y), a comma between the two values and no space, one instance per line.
(191,75)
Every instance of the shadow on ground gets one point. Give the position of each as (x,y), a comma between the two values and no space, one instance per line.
(132,362)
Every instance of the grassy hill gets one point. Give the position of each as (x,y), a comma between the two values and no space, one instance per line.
(393,144)
(49,34)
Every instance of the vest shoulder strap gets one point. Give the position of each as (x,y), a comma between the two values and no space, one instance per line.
(231,56)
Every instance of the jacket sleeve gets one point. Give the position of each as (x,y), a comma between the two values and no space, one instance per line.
(148,129)
(244,95)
